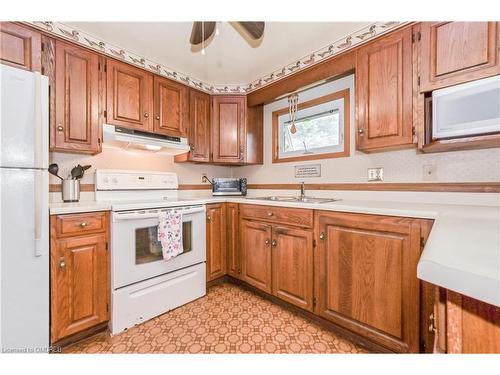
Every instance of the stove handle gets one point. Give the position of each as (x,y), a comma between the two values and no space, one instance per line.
(150,215)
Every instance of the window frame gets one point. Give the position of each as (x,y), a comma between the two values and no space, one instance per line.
(342,94)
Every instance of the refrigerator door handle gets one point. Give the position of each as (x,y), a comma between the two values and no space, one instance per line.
(38,212)
(38,121)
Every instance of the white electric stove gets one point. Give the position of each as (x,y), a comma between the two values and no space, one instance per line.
(145,285)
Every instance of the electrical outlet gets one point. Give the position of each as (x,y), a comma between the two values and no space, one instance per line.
(204,177)
(375,174)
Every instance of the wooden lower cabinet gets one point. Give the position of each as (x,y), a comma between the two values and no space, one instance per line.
(255,242)
(292,265)
(232,240)
(464,325)
(216,241)
(365,276)
(79,273)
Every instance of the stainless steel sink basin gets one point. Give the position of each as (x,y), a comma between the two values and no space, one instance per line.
(277,198)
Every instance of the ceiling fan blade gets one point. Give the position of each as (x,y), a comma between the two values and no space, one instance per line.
(254,29)
(201,31)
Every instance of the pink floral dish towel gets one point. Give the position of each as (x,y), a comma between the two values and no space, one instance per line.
(170,233)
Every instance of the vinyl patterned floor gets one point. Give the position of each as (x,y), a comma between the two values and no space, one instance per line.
(227,320)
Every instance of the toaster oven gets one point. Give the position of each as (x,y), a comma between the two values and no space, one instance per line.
(229,186)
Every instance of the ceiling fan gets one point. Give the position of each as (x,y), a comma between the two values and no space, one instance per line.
(201,31)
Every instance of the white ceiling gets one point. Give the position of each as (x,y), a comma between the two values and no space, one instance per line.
(229,58)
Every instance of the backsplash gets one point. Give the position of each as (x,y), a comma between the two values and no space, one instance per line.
(116,158)
(399,166)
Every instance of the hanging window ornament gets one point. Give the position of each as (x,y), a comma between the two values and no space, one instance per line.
(293,100)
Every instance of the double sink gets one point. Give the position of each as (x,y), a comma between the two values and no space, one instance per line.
(301,199)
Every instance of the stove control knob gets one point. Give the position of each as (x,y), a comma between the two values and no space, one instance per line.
(115,180)
(106,180)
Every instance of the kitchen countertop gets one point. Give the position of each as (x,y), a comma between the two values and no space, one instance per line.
(462,252)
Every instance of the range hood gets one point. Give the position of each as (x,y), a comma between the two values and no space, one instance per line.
(129,138)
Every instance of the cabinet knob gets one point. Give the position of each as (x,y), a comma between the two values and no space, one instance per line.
(267,242)
(60,128)
(322,236)
(192,147)
(146,115)
(83,224)
(62,263)
(361,130)
(157,117)
(208,218)
(274,243)
(270,214)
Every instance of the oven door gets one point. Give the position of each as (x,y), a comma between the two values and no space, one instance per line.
(137,253)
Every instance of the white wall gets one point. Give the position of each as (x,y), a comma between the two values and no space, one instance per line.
(115,158)
(399,166)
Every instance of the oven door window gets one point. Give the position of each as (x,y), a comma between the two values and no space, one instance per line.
(148,248)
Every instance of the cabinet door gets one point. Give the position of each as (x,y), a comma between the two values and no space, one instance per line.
(292,263)
(79,284)
(228,128)
(216,241)
(233,251)
(384,92)
(255,245)
(76,127)
(199,134)
(366,280)
(129,96)
(171,107)
(457,52)
(20,47)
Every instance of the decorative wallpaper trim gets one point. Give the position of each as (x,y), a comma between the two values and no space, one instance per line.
(341,45)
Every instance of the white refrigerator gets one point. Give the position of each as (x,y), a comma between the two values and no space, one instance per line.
(24,218)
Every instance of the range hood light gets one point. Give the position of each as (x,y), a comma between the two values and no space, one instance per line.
(152,147)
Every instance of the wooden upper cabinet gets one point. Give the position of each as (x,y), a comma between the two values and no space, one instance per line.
(20,47)
(292,263)
(129,96)
(256,254)
(77,126)
(384,92)
(365,276)
(457,52)
(216,241)
(79,277)
(232,231)
(228,129)
(171,107)
(199,129)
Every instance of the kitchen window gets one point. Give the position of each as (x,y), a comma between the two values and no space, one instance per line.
(320,131)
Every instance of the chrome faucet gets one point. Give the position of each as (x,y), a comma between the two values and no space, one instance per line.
(302,190)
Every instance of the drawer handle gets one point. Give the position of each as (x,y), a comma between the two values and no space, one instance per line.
(62,264)
(270,214)
(83,224)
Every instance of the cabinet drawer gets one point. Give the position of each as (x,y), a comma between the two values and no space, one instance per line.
(293,216)
(76,224)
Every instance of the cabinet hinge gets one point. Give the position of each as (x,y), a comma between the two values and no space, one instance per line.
(314,243)
(314,302)
(105,67)
(416,37)
(422,242)
(418,81)
(105,114)
(43,46)
(107,307)
(106,242)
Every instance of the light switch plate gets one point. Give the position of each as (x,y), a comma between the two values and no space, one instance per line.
(375,174)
